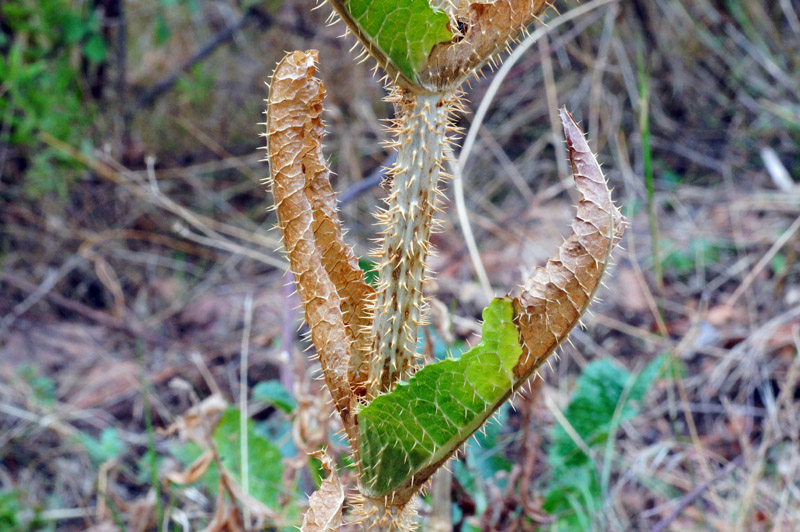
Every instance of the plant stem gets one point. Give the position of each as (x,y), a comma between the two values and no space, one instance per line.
(647,156)
(151,440)
(421,126)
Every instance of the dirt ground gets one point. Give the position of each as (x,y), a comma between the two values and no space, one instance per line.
(134,298)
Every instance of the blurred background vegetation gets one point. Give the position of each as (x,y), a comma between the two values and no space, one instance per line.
(138,272)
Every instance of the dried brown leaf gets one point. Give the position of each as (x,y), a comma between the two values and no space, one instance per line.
(480,29)
(226,518)
(324,513)
(105,526)
(338,258)
(554,298)
(142,513)
(483,28)
(197,424)
(328,279)
(194,472)
(257,509)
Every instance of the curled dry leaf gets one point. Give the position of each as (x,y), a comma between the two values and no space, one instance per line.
(197,424)
(555,297)
(329,281)
(142,513)
(481,29)
(194,472)
(324,512)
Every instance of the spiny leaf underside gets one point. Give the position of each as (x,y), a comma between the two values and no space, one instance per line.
(329,281)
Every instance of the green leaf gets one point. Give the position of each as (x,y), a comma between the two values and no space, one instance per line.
(591,410)
(574,493)
(404,31)
(264,464)
(10,509)
(162,30)
(274,393)
(108,447)
(370,269)
(574,498)
(421,423)
(73,27)
(95,48)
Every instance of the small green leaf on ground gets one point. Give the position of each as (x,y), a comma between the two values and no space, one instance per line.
(574,494)
(275,394)
(108,447)
(265,467)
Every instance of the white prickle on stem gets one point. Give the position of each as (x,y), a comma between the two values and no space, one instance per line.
(422,122)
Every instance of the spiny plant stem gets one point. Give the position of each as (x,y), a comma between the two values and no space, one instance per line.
(380,515)
(420,127)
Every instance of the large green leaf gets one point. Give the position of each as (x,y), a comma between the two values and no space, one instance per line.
(574,494)
(401,31)
(265,463)
(406,433)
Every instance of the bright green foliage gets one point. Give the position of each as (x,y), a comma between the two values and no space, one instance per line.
(421,423)
(40,86)
(575,492)
(17,516)
(682,259)
(264,462)
(370,269)
(405,30)
(10,509)
(44,389)
(274,393)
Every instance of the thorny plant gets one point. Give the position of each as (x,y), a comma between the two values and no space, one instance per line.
(404,422)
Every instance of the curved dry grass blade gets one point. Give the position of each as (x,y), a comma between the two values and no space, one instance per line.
(320,261)
(554,298)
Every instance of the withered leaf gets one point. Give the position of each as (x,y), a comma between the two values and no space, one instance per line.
(485,28)
(324,513)
(554,298)
(197,424)
(329,281)
(194,472)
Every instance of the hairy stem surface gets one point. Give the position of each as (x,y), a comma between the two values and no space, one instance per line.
(421,127)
